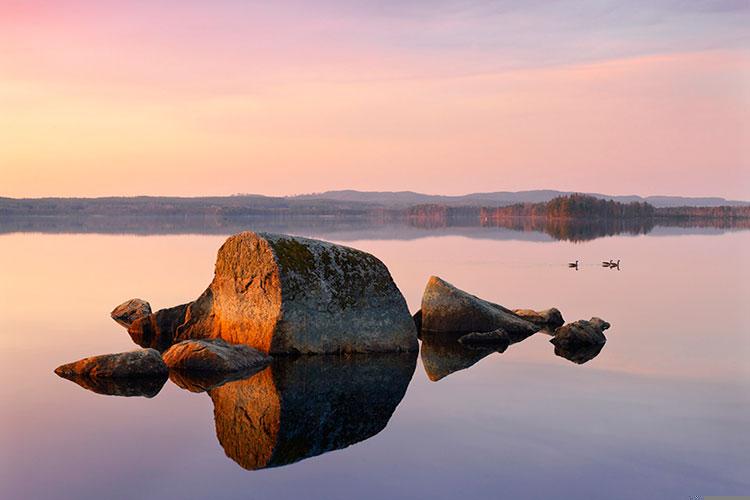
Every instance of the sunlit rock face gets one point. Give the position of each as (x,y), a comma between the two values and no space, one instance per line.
(129,311)
(302,407)
(447,309)
(283,294)
(442,355)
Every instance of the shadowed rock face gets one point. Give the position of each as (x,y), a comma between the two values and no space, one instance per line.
(498,339)
(302,407)
(442,355)
(580,333)
(283,294)
(158,330)
(446,309)
(579,354)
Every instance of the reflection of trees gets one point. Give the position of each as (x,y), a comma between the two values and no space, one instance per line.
(574,229)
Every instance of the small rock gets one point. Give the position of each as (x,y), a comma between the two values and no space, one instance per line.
(580,333)
(158,330)
(127,312)
(447,309)
(213,355)
(549,318)
(495,338)
(133,364)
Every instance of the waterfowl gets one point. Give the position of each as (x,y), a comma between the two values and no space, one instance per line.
(606,263)
(613,264)
(573,264)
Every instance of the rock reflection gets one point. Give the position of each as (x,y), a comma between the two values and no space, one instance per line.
(579,354)
(442,355)
(127,387)
(306,406)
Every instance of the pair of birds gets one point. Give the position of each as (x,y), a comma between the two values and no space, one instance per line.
(605,263)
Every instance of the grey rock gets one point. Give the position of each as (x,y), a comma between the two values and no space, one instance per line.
(447,309)
(129,311)
(284,294)
(580,333)
(133,364)
(214,355)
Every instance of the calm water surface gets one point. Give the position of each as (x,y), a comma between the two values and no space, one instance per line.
(662,412)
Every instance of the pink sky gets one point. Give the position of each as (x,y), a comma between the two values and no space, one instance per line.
(447,96)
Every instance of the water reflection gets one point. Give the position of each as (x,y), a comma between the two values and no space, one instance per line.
(306,406)
(579,354)
(444,354)
(128,387)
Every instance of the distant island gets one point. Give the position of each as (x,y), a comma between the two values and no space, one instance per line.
(570,216)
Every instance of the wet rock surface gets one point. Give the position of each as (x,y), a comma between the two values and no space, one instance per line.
(447,309)
(131,310)
(284,294)
(133,364)
(214,355)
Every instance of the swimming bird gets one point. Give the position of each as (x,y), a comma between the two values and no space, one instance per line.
(573,264)
(613,264)
(606,263)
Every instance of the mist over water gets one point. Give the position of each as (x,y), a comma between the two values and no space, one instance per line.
(660,412)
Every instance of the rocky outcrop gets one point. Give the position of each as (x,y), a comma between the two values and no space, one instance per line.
(304,406)
(133,364)
(214,355)
(158,330)
(497,338)
(129,311)
(580,333)
(446,309)
(283,294)
(549,318)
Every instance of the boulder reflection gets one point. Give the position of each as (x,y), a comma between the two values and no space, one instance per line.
(443,354)
(147,387)
(298,408)
(581,354)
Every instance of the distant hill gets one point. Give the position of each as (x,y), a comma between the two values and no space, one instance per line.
(501,198)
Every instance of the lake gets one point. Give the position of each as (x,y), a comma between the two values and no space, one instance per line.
(662,411)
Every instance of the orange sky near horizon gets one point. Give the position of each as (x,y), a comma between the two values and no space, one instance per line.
(101,100)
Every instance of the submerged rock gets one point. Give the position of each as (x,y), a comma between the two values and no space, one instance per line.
(447,309)
(133,364)
(549,318)
(498,338)
(284,294)
(301,407)
(580,333)
(127,312)
(213,355)
(158,330)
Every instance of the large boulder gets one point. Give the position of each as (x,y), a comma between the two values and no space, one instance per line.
(158,330)
(129,311)
(214,355)
(580,333)
(549,318)
(446,309)
(133,364)
(284,294)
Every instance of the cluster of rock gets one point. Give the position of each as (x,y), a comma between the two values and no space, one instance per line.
(278,294)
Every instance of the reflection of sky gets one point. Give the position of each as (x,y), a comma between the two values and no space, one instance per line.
(661,412)
(294,96)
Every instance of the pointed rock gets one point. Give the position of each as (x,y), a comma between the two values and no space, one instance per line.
(133,364)
(447,309)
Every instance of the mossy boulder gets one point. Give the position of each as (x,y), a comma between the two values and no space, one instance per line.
(285,294)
